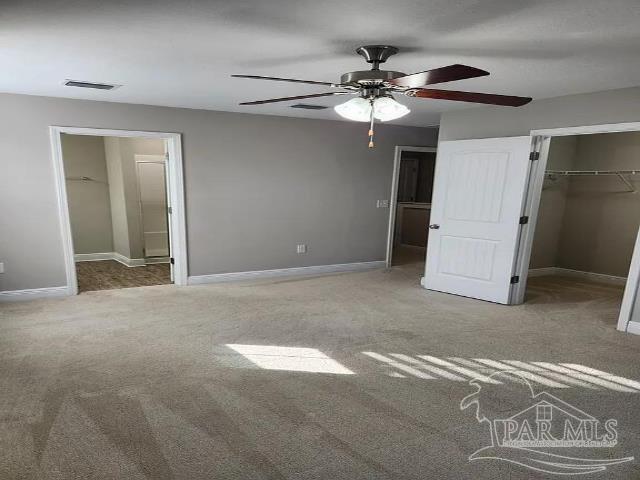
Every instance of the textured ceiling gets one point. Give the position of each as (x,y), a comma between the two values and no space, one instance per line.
(181,53)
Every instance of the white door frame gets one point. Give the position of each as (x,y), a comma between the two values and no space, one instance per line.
(162,159)
(393,201)
(541,141)
(178,240)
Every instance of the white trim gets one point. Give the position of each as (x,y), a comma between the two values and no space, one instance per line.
(531,201)
(34,293)
(393,201)
(63,210)
(587,129)
(596,277)
(93,257)
(161,159)
(152,260)
(129,262)
(178,243)
(631,290)
(284,272)
(633,327)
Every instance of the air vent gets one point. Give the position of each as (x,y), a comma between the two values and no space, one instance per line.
(306,106)
(83,84)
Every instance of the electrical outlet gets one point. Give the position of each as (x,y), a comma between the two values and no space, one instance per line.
(1,267)
(301,248)
(382,204)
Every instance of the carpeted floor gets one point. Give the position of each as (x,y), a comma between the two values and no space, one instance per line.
(173,382)
(109,274)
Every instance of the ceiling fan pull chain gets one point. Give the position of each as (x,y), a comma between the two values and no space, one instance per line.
(371,126)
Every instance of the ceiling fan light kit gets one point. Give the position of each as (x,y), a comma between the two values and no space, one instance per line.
(375,88)
(359,109)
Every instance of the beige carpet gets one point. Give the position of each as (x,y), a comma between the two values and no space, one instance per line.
(141,383)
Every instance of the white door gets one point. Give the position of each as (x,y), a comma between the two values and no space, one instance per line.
(153,206)
(479,190)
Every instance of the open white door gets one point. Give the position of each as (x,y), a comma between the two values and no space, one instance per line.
(479,190)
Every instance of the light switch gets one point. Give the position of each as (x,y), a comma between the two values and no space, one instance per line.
(382,204)
(301,248)
(1,267)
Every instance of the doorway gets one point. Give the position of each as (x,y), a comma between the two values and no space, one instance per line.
(410,208)
(582,233)
(121,208)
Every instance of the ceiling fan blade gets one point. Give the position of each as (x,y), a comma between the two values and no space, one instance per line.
(299,97)
(472,97)
(438,75)
(278,79)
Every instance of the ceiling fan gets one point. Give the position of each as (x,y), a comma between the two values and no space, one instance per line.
(375,88)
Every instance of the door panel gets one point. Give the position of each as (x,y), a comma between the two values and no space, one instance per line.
(479,190)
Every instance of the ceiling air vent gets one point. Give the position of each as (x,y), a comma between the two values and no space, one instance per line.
(306,106)
(83,84)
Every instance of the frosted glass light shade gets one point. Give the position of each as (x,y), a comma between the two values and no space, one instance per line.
(386,108)
(359,109)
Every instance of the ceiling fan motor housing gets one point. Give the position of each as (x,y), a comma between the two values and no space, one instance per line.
(375,55)
(369,77)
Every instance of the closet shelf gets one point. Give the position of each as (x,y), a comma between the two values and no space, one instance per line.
(621,174)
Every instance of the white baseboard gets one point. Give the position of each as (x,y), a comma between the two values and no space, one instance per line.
(151,260)
(633,327)
(597,277)
(33,293)
(284,272)
(129,262)
(92,257)
(96,257)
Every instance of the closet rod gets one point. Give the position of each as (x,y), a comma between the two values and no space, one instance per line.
(621,174)
(592,172)
(83,179)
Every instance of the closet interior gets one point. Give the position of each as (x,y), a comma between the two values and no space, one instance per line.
(587,222)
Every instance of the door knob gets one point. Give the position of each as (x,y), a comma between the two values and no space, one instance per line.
(434,226)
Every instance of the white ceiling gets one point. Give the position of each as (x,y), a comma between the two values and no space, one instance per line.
(181,53)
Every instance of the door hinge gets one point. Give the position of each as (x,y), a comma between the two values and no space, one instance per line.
(169,210)
(515,279)
(172,261)
(524,220)
(534,156)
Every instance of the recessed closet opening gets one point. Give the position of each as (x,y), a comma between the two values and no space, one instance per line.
(587,224)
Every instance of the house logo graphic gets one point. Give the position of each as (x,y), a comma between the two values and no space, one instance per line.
(540,429)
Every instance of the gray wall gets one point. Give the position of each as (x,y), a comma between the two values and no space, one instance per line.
(89,207)
(546,240)
(255,186)
(611,106)
(601,219)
